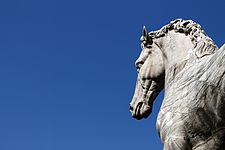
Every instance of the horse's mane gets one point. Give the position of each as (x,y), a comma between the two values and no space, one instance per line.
(203,44)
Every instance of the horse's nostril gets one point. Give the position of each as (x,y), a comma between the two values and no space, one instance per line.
(131,108)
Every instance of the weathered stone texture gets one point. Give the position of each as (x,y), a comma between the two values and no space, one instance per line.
(184,61)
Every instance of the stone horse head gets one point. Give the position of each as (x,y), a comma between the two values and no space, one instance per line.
(150,81)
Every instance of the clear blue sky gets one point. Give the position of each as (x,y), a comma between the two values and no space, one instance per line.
(67,70)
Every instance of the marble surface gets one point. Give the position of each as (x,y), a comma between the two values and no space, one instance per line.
(184,61)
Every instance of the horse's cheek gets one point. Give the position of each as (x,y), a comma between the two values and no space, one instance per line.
(157,71)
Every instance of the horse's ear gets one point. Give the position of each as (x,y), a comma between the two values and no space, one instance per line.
(145,36)
(145,32)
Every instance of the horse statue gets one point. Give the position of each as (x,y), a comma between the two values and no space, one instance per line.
(181,59)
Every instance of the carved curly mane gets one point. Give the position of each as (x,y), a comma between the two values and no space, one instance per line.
(203,45)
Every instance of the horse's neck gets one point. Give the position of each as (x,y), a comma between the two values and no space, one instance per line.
(176,48)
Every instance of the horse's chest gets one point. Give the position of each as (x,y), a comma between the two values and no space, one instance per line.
(179,100)
(196,108)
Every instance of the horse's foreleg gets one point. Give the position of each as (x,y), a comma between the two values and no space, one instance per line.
(171,127)
(176,143)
